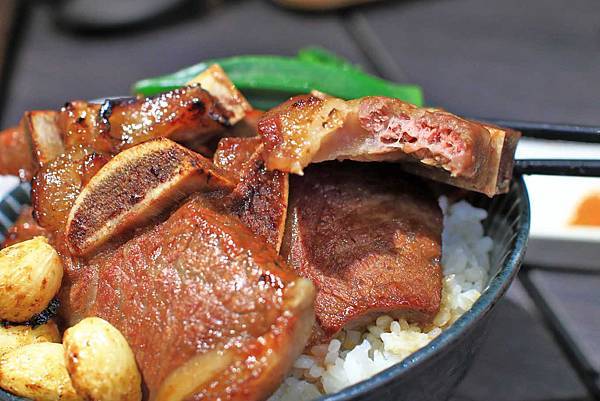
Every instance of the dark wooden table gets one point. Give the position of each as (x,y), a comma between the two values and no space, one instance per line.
(534,60)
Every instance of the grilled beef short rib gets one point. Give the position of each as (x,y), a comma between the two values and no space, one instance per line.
(189,272)
(428,142)
(369,238)
(210,311)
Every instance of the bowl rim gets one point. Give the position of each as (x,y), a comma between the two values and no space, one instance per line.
(495,290)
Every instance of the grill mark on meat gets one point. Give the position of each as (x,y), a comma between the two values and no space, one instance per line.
(182,114)
(260,196)
(369,238)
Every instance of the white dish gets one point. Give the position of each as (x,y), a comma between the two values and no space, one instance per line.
(554,201)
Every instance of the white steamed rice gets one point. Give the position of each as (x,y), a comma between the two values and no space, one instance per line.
(355,355)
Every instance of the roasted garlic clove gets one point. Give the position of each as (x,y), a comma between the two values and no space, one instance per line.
(30,276)
(38,372)
(12,337)
(101,364)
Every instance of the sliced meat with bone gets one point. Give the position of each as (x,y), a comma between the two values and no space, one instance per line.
(369,238)
(430,142)
(209,311)
(260,196)
(137,185)
(186,114)
(92,134)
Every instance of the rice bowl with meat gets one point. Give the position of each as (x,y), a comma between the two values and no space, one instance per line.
(243,267)
(356,355)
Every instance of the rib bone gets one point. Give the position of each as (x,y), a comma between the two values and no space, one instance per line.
(136,185)
(217,83)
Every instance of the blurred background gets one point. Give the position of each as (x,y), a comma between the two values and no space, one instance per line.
(536,60)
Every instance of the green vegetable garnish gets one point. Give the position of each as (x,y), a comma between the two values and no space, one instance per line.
(269,80)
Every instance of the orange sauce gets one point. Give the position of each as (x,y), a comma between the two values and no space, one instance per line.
(588,211)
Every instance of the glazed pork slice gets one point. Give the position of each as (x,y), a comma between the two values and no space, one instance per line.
(210,312)
(369,238)
(260,198)
(429,142)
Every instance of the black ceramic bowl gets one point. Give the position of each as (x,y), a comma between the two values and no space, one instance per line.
(431,373)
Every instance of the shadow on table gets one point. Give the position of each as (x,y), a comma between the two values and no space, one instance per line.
(519,359)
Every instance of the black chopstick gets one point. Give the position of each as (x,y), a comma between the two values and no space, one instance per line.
(560,132)
(555,132)
(581,168)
